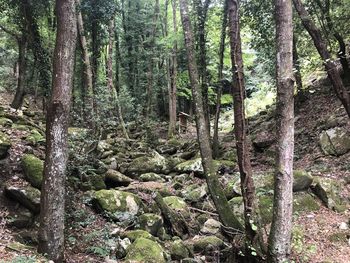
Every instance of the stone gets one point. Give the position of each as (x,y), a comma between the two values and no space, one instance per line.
(167,149)
(206,244)
(194,193)
(92,181)
(21,218)
(135,234)
(211,226)
(114,178)
(27,196)
(146,251)
(302,180)
(263,140)
(190,166)
(151,223)
(5,145)
(117,204)
(178,250)
(151,177)
(33,169)
(335,141)
(175,203)
(103,146)
(5,122)
(121,247)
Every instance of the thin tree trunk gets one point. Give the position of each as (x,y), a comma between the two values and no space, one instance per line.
(296,64)
(51,231)
(220,78)
(281,228)
(173,76)
(113,89)
(225,213)
(246,174)
(90,107)
(321,47)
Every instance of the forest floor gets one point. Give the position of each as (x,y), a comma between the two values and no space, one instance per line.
(318,235)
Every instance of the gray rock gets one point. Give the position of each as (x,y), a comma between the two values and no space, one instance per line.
(114,178)
(151,223)
(335,141)
(27,196)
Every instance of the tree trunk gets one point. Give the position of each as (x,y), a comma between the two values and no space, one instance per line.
(225,213)
(296,65)
(246,174)
(220,79)
(281,228)
(22,67)
(51,231)
(173,76)
(90,107)
(114,89)
(321,46)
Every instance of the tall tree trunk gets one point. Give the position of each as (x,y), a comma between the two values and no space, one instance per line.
(22,67)
(90,107)
(114,89)
(245,169)
(281,228)
(220,79)
(225,213)
(51,231)
(173,76)
(296,65)
(321,46)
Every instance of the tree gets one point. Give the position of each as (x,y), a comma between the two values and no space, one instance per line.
(321,46)
(51,232)
(281,228)
(225,213)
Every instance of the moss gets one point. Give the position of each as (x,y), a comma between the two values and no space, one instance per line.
(189,166)
(5,122)
(207,243)
(135,234)
(265,209)
(175,202)
(339,237)
(178,250)
(20,127)
(35,137)
(194,193)
(151,223)
(150,177)
(146,251)
(146,164)
(33,169)
(5,144)
(304,202)
(302,180)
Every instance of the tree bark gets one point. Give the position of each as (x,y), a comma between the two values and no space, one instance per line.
(216,144)
(321,46)
(281,228)
(297,73)
(245,169)
(51,231)
(90,105)
(113,89)
(225,213)
(173,75)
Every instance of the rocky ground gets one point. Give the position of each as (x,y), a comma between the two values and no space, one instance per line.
(145,200)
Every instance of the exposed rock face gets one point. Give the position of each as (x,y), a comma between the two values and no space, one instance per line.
(27,196)
(335,141)
(145,250)
(5,145)
(33,169)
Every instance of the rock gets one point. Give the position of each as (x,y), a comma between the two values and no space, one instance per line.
(206,244)
(175,203)
(304,202)
(5,122)
(33,169)
(92,181)
(27,196)
(21,218)
(178,250)
(151,177)
(190,166)
(343,226)
(135,234)
(327,190)
(263,140)
(211,226)
(335,141)
(302,180)
(146,251)
(103,146)
(118,205)
(154,163)
(167,149)
(194,193)
(5,145)
(121,247)
(35,138)
(151,223)
(114,178)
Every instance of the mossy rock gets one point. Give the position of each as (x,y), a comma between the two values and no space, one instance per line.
(5,122)
(114,178)
(151,223)
(92,181)
(335,141)
(151,177)
(175,202)
(5,145)
(135,234)
(117,204)
(35,138)
(33,169)
(194,193)
(20,127)
(304,202)
(205,244)
(302,180)
(190,166)
(27,196)
(178,250)
(146,251)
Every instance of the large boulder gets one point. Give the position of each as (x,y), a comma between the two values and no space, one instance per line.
(27,196)
(146,251)
(116,204)
(335,141)
(5,144)
(33,169)
(114,178)
(190,166)
(302,180)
